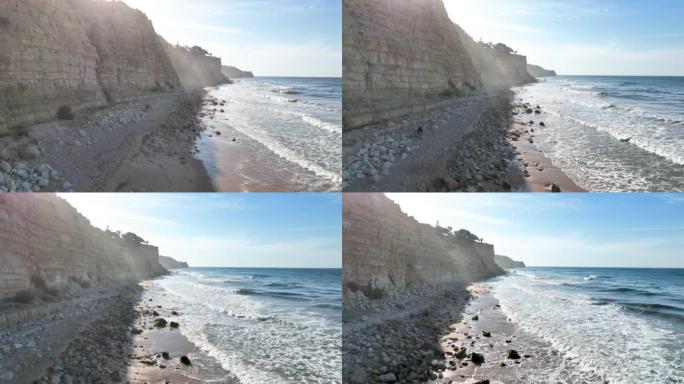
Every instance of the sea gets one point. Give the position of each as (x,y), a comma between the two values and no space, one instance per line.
(263,325)
(620,325)
(613,133)
(292,125)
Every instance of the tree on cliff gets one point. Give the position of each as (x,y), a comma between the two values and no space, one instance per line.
(503,49)
(464,234)
(133,238)
(199,51)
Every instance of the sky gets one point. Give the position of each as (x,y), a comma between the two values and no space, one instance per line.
(297,230)
(582,37)
(580,230)
(267,37)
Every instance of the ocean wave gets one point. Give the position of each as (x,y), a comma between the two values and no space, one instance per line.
(316,122)
(276,294)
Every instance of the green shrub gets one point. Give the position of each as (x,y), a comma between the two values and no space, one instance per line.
(65,113)
(24,297)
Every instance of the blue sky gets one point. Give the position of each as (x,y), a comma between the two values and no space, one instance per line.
(595,229)
(299,230)
(582,37)
(268,37)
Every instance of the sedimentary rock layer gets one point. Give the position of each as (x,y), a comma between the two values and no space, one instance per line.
(46,244)
(385,249)
(85,53)
(405,56)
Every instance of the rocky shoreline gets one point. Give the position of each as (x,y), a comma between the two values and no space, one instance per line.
(107,335)
(471,145)
(396,340)
(459,336)
(108,149)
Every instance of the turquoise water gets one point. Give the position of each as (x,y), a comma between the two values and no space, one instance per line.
(625,325)
(613,133)
(264,325)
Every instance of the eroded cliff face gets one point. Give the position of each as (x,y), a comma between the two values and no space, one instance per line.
(85,53)
(384,250)
(45,241)
(406,56)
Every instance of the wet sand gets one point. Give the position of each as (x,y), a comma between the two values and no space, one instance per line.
(507,354)
(238,163)
(539,173)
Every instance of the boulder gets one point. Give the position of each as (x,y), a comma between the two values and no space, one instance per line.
(173,324)
(160,323)
(29,152)
(513,354)
(477,358)
(185,360)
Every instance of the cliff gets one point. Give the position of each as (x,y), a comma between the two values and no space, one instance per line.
(401,57)
(195,69)
(506,262)
(171,263)
(82,54)
(385,250)
(537,71)
(47,246)
(235,73)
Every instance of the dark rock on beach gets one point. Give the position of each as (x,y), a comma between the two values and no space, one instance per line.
(513,354)
(185,360)
(477,358)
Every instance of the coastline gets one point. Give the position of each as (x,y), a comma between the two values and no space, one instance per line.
(539,173)
(471,145)
(106,335)
(462,336)
(398,338)
(238,163)
(142,145)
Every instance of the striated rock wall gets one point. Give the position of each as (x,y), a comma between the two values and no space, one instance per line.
(46,60)
(384,249)
(130,56)
(44,239)
(407,56)
(85,53)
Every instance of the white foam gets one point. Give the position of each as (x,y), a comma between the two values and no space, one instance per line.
(603,340)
